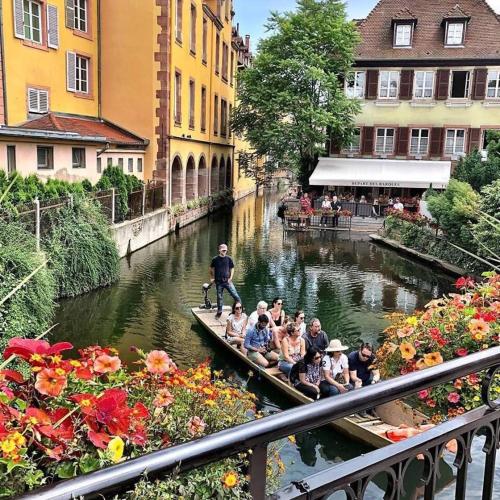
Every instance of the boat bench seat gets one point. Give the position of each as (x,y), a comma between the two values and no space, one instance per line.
(274,371)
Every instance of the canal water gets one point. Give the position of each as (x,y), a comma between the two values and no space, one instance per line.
(345,280)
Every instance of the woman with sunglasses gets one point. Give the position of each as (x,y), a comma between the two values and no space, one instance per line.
(293,349)
(277,312)
(236,326)
(299,319)
(305,375)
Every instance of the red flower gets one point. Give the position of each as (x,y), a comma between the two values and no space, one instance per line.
(431,403)
(112,411)
(139,411)
(474,379)
(37,417)
(423,394)
(462,351)
(26,348)
(86,402)
(464,282)
(99,439)
(11,376)
(488,316)
(50,383)
(453,397)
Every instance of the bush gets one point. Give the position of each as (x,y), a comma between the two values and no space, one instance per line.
(29,311)
(486,234)
(83,256)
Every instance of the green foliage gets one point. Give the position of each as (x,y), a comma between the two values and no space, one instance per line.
(29,311)
(455,210)
(292,96)
(83,255)
(487,230)
(478,173)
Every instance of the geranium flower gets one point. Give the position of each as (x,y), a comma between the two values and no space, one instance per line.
(196,426)
(107,364)
(453,397)
(230,479)
(50,383)
(407,350)
(431,403)
(115,449)
(478,326)
(433,358)
(28,348)
(461,351)
(158,362)
(423,394)
(163,398)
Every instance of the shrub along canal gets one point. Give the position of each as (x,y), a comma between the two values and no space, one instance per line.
(347,282)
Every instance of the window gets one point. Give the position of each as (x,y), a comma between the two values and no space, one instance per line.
(419,144)
(38,101)
(225,60)
(178,21)
(455,142)
(424,84)
(130,164)
(120,163)
(109,162)
(223,117)
(205,40)
(32,21)
(139,164)
(493,89)
(45,157)
(455,33)
(217,53)
(78,158)
(203,108)
(389,85)
(229,120)
(460,84)
(81,13)
(192,41)
(82,74)
(216,115)
(99,165)
(228,9)
(191,103)
(231,75)
(177,98)
(355,145)
(385,141)
(355,85)
(11,159)
(403,35)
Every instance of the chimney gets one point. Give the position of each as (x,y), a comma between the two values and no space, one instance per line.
(247,42)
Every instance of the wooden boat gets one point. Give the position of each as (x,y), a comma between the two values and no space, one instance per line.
(371,431)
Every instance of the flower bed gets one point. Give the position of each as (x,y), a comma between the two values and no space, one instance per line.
(450,327)
(61,417)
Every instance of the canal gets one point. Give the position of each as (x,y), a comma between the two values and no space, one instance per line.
(346,281)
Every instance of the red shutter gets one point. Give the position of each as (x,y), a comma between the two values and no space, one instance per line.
(402,144)
(474,139)
(367,146)
(372,84)
(480,78)
(437,141)
(406,85)
(443,81)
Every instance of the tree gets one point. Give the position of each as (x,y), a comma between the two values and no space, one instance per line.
(292,97)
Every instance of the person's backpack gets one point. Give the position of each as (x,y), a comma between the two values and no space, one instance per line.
(294,373)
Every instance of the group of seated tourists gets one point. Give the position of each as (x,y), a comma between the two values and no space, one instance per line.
(314,365)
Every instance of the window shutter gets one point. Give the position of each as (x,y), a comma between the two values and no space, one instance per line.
(52,27)
(406,85)
(70,14)
(480,77)
(402,144)
(71,71)
(43,101)
(18,19)
(372,84)
(443,81)
(33,101)
(437,141)
(474,139)
(367,148)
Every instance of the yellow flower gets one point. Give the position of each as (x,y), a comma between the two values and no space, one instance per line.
(115,449)
(292,439)
(56,359)
(208,391)
(36,357)
(412,321)
(230,479)
(210,402)
(8,446)
(433,358)
(18,438)
(407,350)
(60,371)
(476,399)
(75,363)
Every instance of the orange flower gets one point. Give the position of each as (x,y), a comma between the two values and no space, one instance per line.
(163,398)
(433,358)
(107,364)
(48,382)
(158,362)
(407,350)
(196,426)
(478,326)
(230,479)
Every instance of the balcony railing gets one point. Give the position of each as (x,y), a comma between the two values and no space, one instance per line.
(352,476)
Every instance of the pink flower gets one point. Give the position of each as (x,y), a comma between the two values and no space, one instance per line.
(158,362)
(453,397)
(462,351)
(423,394)
(196,426)
(107,364)
(163,398)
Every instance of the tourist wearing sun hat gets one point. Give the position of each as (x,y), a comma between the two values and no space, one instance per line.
(335,370)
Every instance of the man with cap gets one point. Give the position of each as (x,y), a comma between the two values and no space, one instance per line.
(221,273)
(335,370)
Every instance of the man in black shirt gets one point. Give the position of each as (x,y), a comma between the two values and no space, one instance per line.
(221,273)
(362,370)
(315,336)
(336,208)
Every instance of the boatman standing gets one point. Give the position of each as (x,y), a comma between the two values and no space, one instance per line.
(221,273)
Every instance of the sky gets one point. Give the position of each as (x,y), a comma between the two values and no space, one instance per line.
(252,14)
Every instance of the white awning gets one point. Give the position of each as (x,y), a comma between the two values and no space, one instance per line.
(381,173)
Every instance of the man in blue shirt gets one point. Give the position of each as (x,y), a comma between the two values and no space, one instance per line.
(257,342)
(221,273)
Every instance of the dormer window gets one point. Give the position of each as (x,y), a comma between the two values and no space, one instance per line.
(403,34)
(455,33)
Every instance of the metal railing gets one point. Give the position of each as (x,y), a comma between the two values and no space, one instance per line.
(352,476)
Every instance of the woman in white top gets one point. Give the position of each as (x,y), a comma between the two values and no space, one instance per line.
(261,309)
(325,206)
(293,348)
(335,370)
(299,320)
(236,326)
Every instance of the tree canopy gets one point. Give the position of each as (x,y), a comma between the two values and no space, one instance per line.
(292,97)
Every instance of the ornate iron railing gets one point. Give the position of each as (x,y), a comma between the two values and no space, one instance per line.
(352,476)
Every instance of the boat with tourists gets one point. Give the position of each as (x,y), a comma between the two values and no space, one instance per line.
(391,419)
